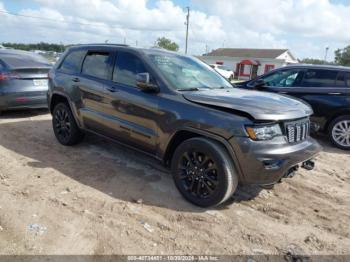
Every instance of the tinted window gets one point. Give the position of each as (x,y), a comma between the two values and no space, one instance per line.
(284,78)
(96,64)
(126,68)
(343,79)
(72,62)
(319,78)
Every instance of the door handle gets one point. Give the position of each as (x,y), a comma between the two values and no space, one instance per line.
(111,89)
(76,79)
(282,92)
(334,93)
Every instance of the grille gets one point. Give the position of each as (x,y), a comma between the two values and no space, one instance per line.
(297,131)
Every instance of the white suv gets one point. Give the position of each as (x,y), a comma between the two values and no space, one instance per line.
(224,71)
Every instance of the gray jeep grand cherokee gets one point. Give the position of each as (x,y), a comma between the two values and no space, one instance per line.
(180,111)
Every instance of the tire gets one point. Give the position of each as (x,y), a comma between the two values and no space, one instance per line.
(64,126)
(339,132)
(203,172)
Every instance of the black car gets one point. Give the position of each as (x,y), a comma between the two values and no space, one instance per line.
(23,80)
(180,111)
(325,88)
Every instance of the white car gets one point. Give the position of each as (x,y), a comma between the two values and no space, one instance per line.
(224,71)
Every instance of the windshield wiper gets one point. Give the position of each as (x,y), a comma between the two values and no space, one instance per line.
(188,89)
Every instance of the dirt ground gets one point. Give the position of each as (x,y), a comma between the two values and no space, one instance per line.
(101,198)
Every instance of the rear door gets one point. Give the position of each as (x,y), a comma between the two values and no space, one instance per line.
(96,71)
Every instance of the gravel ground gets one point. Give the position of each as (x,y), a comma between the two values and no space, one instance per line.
(101,198)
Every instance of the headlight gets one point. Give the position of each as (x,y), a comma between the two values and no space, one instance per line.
(264,132)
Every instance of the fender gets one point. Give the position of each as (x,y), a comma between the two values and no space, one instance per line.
(338,113)
(71,105)
(214,137)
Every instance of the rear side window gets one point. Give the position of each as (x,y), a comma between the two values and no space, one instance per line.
(319,78)
(96,64)
(126,68)
(343,79)
(72,62)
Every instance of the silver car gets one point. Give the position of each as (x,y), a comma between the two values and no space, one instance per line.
(23,80)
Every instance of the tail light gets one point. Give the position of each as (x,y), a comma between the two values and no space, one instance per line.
(3,77)
(8,76)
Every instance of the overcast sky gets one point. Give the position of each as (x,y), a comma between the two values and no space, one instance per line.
(306,27)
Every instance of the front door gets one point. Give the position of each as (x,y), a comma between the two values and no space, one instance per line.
(254,71)
(133,110)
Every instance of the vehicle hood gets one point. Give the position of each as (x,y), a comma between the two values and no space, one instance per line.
(260,105)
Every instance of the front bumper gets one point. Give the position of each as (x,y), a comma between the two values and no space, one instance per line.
(265,163)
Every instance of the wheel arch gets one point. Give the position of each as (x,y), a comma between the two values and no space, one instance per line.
(186,133)
(339,113)
(58,97)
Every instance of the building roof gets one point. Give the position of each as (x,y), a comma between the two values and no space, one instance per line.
(248,53)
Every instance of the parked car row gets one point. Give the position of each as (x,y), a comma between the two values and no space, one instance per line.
(180,111)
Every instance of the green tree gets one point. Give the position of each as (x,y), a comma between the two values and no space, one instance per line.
(342,56)
(39,46)
(314,61)
(167,44)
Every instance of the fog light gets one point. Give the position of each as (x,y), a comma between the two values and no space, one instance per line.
(272,164)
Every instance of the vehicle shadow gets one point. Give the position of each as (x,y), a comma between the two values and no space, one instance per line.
(327,145)
(15,114)
(105,166)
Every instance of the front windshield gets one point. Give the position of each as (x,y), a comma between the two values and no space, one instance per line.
(187,73)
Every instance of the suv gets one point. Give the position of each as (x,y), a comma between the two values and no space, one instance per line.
(325,88)
(180,111)
(223,70)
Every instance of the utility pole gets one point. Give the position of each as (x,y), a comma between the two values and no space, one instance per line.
(326,53)
(187,23)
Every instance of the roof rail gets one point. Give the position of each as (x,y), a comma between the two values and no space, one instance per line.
(102,44)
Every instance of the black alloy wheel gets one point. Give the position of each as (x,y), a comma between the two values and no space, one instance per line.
(204,172)
(65,128)
(198,173)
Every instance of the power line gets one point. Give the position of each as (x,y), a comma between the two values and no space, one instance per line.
(58,20)
(64,21)
(78,23)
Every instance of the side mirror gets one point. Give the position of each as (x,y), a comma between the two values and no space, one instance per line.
(143,82)
(259,84)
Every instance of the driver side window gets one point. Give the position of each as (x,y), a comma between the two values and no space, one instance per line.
(126,68)
(283,78)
